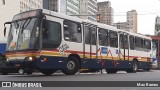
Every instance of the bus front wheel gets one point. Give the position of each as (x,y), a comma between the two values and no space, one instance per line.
(72,66)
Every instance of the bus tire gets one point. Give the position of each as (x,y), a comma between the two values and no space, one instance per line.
(72,66)
(48,72)
(133,68)
(111,71)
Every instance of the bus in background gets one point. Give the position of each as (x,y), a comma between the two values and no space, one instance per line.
(156,51)
(2,48)
(2,53)
(49,41)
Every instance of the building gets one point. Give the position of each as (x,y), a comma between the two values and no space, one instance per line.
(88,9)
(132,21)
(51,5)
(69,7)
(9,8)
(157,26)
(121,25)
(130,24)
(106,12)
(26,5)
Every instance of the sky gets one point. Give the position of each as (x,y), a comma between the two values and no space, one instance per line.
(147,11)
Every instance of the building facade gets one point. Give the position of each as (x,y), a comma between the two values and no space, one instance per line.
(106,12)
(132,21)
(26,5)
(88,9)
(69,7)
(121,25)
(157,26)
(10,8)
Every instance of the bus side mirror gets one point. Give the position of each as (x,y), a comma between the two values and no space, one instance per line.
(5,28)
(5,32)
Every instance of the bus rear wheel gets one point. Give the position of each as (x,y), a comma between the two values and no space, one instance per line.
(72,66)
(134,67)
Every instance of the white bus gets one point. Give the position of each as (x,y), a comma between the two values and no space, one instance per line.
(48,41)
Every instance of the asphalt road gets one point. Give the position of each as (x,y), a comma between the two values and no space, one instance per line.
(153,75)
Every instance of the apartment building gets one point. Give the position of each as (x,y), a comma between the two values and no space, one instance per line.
(106,12)
(88,9)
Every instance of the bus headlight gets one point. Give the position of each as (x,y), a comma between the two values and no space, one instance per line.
(31,58)
(7,59)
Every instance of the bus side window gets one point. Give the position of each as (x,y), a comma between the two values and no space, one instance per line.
(147,44)
(103,37)
(113,38)
(90,35)
(51,34)
(139,43)
(72,31)
(131,39)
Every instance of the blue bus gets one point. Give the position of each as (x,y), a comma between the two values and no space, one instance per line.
(2,48)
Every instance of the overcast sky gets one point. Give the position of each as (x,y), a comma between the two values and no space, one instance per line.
(147,10)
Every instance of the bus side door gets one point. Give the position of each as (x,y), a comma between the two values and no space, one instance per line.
(123,48)
(90,46)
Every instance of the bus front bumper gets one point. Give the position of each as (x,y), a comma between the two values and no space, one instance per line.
(15,66)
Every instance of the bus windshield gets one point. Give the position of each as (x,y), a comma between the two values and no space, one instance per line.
(24,34)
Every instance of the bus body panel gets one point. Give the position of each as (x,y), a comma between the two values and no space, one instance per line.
(92,56)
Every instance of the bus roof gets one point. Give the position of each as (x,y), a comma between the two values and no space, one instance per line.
(100,25)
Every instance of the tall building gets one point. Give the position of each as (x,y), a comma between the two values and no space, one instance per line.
(157,26)
(88,9)
(9,8)
(121,25)
(51,5)
(132,21)
(69,7)
(106,12)
(26,5)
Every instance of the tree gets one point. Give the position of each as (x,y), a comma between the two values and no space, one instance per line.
(157,28)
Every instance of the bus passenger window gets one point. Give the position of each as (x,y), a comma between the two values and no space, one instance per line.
(147,44)
(132,45)
(138,43)
(90,35)
(51,34)
(123,41)
(72,31)
(103,37)
(113,39)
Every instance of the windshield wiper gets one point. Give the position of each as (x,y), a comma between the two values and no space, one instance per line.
(24,26)
(16,24)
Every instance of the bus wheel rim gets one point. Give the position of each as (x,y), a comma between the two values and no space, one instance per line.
(71,65)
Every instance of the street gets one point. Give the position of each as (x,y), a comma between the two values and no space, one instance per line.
(152,75)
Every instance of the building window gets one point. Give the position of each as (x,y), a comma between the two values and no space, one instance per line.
(3,2)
